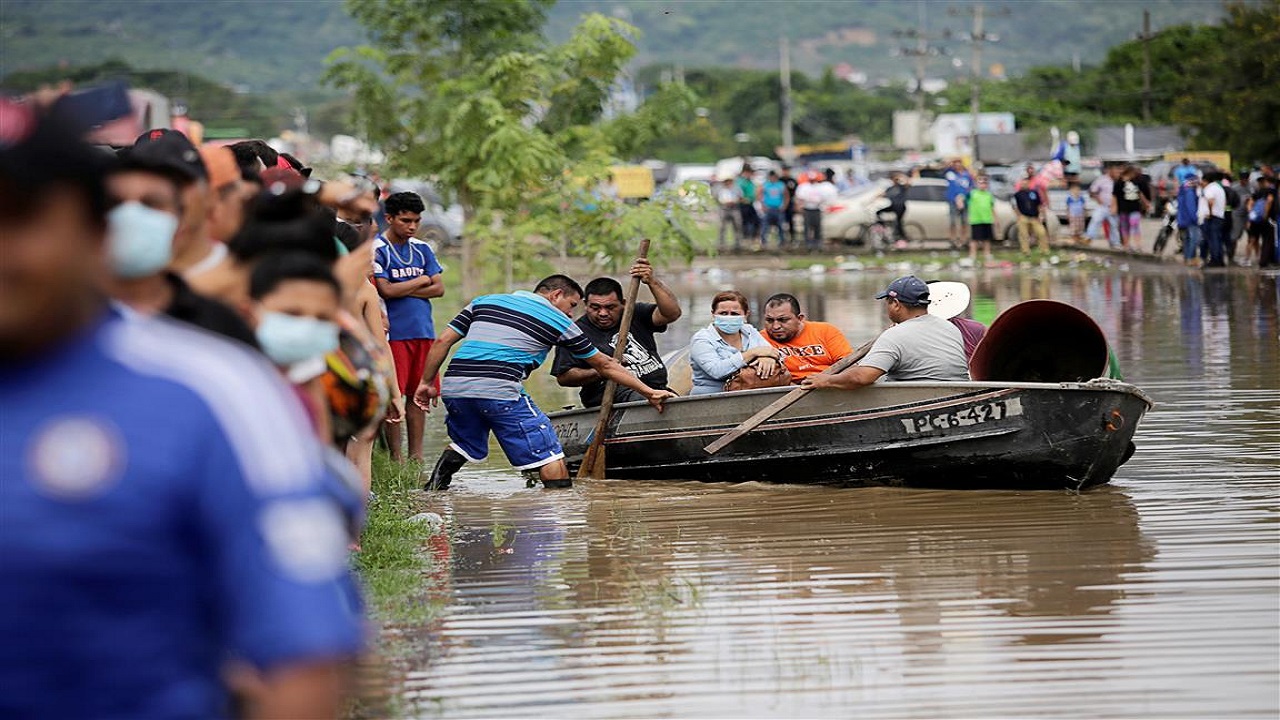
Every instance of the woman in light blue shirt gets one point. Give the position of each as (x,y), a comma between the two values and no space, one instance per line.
(727,345)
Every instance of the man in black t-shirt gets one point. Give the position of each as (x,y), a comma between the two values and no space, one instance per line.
(604,303)
(1029,203)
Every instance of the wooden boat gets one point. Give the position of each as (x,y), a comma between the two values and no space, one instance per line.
(988,433)
(955,435)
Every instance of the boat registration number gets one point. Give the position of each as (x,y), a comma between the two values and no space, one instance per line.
(973,415)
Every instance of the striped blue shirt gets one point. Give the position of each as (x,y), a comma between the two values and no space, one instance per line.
(507,338)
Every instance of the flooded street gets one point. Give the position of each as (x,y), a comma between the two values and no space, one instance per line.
(1157,595)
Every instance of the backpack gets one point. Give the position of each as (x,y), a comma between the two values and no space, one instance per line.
(1233,197)
(1257,212)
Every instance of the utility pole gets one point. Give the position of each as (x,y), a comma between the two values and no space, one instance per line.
(1146,66)
(922,51)
(788,140)
(976,70)
(978,36)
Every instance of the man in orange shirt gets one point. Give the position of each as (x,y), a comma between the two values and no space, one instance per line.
(807,347)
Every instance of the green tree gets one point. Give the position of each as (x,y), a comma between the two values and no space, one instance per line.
(1232,95)
(468,93)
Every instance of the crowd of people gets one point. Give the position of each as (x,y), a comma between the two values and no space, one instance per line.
(749,209)
(1214,209)
(183,368)
(1213,213)
(201,344)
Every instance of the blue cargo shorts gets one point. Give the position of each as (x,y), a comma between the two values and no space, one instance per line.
(522,429)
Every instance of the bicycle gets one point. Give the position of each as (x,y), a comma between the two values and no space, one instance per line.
(1168,228)
(882,234)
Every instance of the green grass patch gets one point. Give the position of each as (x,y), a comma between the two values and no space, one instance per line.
(394,562)
(402,592)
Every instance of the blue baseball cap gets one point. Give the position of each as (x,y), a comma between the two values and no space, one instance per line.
(909,290)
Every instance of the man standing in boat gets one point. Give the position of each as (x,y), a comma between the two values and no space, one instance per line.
(807,347)
(919,346)
(600,323)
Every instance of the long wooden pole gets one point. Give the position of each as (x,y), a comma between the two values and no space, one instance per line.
(784,402)
(593,462)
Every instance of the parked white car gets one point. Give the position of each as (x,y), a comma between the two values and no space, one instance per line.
(854,212)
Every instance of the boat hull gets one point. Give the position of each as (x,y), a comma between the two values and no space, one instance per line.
(947,435)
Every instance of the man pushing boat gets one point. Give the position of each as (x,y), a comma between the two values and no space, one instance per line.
(919,346)
(503,339)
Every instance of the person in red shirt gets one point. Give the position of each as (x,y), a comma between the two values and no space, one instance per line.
(948,300)
(807,347)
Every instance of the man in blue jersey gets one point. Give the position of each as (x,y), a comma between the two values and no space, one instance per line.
(507,338)
(959,184)
(162,508)
(408,276)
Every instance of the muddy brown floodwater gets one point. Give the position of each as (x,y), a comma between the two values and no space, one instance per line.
(1155,596)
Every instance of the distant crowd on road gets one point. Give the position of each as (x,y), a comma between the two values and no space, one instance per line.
(1211,209)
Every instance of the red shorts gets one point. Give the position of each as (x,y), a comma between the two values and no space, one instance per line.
(410,357)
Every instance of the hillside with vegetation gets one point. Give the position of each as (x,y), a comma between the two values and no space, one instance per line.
(1071,64)
(274,46)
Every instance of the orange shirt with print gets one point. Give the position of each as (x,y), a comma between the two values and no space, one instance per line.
(816,347)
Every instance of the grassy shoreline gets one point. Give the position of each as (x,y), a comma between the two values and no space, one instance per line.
(400,575)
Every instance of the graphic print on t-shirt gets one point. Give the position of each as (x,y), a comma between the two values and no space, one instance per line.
(636,358)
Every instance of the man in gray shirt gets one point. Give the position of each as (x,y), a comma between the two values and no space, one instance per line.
(919,346)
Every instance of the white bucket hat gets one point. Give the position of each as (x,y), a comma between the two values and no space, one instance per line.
(948,299)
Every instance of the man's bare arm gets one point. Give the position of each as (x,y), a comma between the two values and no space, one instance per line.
(390,291)
(668,310)
(851,378)
(577,377)
(303,690)
(434,289)
(611,369)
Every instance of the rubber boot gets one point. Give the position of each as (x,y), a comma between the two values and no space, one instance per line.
(450,462)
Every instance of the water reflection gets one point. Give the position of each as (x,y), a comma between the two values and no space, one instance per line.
(1156,595)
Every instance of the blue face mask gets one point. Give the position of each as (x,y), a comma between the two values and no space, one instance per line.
(139,239)
(728,324)
(289,339)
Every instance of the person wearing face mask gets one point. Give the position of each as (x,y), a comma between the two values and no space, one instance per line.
(296,305)
(728,345)
(145,188)
(164,507)
(191,245)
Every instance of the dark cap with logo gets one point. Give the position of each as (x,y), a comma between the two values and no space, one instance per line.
(909,290)
(164,149)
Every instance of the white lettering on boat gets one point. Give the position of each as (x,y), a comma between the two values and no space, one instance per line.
(973,415)
(567,432)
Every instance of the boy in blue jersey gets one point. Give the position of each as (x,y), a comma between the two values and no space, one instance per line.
(507,338)
(774,198)
(162,509)
(408,276)
(959,185)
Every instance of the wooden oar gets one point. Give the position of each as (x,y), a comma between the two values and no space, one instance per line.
(785,401)
(593,462)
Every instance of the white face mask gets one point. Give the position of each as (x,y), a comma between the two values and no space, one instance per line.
(139,239)
(728,324)
(289,339)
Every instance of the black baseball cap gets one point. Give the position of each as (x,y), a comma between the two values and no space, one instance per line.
(164,150)
(41,151)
